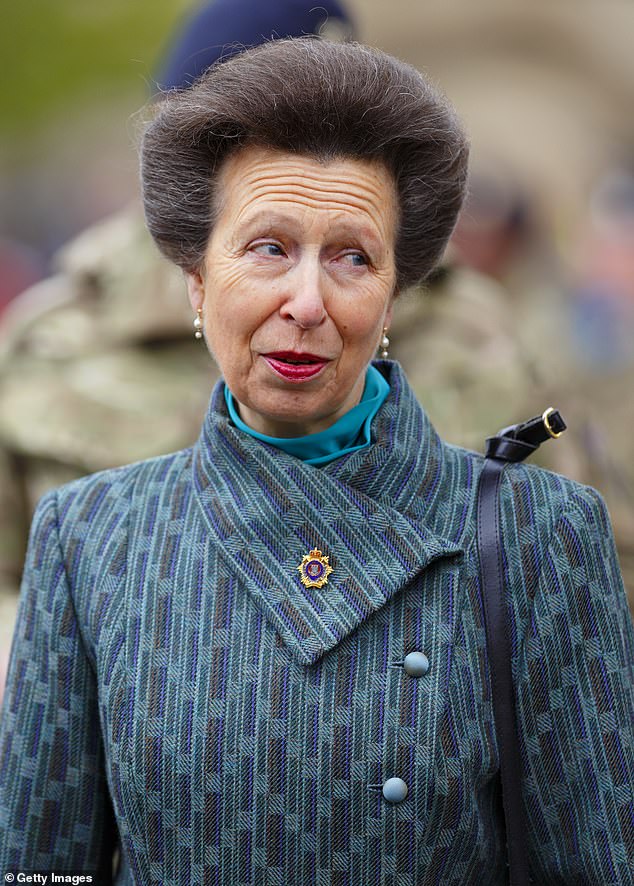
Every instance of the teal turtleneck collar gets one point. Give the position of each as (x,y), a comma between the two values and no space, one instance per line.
(349,433)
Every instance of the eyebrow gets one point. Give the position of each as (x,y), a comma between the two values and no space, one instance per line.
(342,227)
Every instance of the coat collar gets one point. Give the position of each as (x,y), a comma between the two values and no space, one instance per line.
(374,513)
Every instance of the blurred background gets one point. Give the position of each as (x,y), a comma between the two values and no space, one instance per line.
(74,75)
(546,90)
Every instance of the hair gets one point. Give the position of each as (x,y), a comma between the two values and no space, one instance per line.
(322,100)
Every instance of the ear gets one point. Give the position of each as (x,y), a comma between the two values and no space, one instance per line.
(195,289)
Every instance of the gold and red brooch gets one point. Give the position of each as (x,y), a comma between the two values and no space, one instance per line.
(314,569)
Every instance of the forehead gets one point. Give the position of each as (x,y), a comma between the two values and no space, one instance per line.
(256,179)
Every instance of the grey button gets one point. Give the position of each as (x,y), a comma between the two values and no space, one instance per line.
(416,664)
(395,790)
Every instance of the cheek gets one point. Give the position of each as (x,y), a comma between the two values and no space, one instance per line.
(362,319)
(233,304)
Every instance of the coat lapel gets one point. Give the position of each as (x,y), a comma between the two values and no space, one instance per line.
(365,511)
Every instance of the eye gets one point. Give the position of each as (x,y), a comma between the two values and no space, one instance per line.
(269,249)
(356,259)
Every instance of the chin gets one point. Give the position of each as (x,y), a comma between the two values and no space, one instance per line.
(290,419)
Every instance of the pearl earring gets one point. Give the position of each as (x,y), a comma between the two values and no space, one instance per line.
(385,343)
(198,323)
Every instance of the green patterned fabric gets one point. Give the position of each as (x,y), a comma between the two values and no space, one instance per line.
(175,688)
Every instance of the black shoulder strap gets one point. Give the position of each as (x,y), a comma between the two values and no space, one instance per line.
(510,445)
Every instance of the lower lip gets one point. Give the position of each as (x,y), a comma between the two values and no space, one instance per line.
(295,371)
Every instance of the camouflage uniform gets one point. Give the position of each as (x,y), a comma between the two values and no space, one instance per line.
(98,367)
(455,340)
(600,410)
(478,360)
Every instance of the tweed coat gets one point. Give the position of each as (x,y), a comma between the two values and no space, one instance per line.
(175,688)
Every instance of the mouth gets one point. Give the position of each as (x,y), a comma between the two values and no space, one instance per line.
(294,366)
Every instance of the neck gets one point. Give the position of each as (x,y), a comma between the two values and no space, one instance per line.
(349,432)
(294,426)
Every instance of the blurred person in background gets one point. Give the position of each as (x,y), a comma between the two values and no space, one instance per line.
(502,234)
(576,342)
(496,226)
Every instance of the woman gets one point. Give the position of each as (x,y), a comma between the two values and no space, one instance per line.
(261,660)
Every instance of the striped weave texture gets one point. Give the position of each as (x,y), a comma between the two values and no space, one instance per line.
(175,689)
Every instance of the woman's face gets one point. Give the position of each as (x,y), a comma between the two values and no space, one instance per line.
(297,284)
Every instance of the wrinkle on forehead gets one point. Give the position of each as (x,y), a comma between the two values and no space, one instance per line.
(257,174)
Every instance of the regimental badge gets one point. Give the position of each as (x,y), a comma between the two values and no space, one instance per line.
(314,569)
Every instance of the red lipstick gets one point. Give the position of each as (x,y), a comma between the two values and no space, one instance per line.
(295,366)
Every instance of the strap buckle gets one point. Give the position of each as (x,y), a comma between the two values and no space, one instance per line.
(546,421)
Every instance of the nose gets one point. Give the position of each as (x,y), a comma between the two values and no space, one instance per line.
(304,297)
